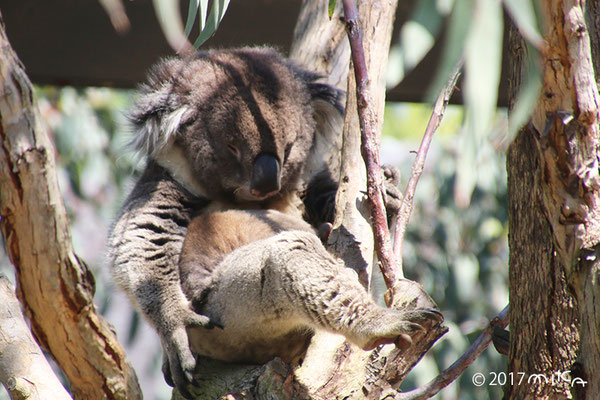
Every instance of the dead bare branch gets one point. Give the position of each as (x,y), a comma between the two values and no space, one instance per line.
(452,372)
(409,193)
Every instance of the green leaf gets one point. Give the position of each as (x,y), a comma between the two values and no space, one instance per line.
(483,55)
(466,271)
(527,97)
(523,14)
(203,14)
(456,36)
(419,33)
(191,18)
(417,37)
(331,7)
(217,12)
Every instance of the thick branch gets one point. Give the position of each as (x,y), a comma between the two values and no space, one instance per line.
(24,371)
(567,119)
(54,286)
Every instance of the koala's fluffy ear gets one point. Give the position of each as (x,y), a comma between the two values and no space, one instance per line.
(159,111)
(328,113)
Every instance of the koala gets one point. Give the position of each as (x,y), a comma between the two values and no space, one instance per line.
(269,282)
(234,136)
(224,129)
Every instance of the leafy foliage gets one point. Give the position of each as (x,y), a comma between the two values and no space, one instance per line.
(474,31)
(170,21)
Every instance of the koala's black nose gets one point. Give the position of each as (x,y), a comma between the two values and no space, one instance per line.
(265,176)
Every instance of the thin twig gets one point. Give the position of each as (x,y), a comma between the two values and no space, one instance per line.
(452,372)
(370,146)
(417,168)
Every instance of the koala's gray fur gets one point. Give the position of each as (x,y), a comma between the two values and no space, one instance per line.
(226,130)
(202,123)
(269,282)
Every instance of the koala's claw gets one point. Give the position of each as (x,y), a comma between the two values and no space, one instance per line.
(426,318)
(178,361)
(398,327)
(201,321)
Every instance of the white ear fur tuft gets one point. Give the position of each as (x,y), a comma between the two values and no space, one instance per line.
(156,134)
(170,123)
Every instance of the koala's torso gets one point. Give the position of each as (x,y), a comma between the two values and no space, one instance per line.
(246,337)
(212,235)
(150,230)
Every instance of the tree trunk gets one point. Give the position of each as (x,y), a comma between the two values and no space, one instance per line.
(54,286)
(554,217)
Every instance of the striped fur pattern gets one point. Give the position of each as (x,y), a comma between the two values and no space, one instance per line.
(144,247)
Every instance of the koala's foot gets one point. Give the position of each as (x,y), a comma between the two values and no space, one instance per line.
(178,361)
(398,327)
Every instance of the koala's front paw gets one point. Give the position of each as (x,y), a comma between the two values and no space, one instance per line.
(398,327)
(178,361)
(393,195)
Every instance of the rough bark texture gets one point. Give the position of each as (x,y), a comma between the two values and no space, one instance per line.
(554,217)
(54,286)
(24,371)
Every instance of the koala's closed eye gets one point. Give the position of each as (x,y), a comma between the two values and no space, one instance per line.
(234,150)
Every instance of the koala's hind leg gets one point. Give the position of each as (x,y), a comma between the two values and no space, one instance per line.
(296,280)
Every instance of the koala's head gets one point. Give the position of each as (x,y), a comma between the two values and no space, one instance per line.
(233,124)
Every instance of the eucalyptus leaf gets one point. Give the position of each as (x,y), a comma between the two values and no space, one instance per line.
(203,14)
(483,56)
(528,95)
(466,271)
(169,18)
(331,8)
(417,37)
(466,165)
(419,33)
(191,17)
(456,36)
(217,12)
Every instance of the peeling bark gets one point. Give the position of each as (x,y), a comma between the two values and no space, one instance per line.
(554,217)
(54,286)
